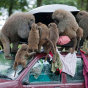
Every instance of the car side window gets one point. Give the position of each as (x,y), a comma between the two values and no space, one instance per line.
(79,72)
(41,72)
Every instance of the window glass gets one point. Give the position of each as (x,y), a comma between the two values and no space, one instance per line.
(6,68)
(79,72)
(41,72)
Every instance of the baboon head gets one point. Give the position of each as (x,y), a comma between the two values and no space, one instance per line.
(39,23)
(53,25)
(58,15)
(24,47)
(34,26)
(81,15)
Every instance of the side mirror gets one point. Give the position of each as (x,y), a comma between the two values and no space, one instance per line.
(25,82)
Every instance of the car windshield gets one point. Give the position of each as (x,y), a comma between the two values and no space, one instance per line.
(6,68)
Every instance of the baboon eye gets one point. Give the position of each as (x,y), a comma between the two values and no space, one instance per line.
(81,14)
(31,19)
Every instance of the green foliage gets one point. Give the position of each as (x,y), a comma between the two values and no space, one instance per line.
(12,5)
(0,13)
(67,2)
(82,4)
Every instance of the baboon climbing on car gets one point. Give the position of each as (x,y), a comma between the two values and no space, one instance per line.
(17,26)
(66,24)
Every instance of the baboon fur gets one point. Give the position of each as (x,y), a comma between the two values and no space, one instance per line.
(48,38)
(53,36)
(16,27)
(20,57)
(44,41)
(66,24)
(6,44)
(43,33)
(33,39)
(79,36)
(82,19)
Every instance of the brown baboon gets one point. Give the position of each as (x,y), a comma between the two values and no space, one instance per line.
(48,38)
(33,39)
(53,36)
(79,36)
(82,19)
(20,57)
(66,24)
(43,33)
(44,41)
(16,27)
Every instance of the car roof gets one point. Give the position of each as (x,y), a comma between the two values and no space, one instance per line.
(52,8)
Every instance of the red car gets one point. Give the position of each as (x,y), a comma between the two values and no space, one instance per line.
(38,73)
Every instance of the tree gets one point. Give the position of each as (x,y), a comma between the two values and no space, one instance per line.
(39,3)
(67,2)
(82,4)
(12,5)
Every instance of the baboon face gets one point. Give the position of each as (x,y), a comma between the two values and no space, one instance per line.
(34,26)
(81,15)
(52,25)
(39,28)
(57,16)
(24,47)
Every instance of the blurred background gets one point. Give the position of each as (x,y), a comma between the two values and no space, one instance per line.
(7,7)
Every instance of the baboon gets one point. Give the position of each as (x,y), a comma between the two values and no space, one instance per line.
(66,24)
(82,19)
(48,38)
(33,39)
(20,57)
(44,40)
(79,36)
(43,33)
(16,27)
(53,36)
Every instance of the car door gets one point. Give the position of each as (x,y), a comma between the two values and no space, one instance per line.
(41,76)
(78,80)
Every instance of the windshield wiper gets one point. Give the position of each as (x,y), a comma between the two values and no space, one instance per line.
(4,76)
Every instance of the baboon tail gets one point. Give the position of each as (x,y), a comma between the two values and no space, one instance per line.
(78,43)
(15,67)
(52,45)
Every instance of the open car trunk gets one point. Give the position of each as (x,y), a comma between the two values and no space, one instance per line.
(44,14)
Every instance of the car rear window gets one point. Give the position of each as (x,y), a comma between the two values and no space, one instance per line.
(6,68)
